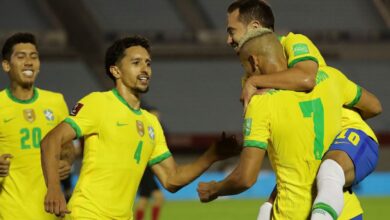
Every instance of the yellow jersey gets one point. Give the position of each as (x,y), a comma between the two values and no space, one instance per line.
(296,129)
(298,47)
(119,143)
(24,123)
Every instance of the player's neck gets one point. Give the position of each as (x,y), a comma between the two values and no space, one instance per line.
(22,93)
(132,98)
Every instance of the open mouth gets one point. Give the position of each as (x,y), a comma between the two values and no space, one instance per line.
(143,78)
(28,73)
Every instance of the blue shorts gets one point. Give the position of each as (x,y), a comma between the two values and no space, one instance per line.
(362,150)
(359,217)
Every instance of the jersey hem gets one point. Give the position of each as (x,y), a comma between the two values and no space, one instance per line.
(75,127)
(257,144)
(159,158)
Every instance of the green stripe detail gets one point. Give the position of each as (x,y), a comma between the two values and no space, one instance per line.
(292,63)
(357,98)
(28,101)
(258,144)
(121,99)
(75,127)
(159,158)
(327,208)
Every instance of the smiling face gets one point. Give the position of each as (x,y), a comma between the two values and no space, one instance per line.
(134,69)
(23,65)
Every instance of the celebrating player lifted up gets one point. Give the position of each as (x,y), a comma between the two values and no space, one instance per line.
(121,139)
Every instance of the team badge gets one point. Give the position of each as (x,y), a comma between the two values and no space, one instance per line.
(48,114)
(140,128)
(29,115)
(76,109)
(151,132)
(247,126)
(300,49)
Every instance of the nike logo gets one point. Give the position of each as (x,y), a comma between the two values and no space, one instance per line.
(121,124)
(6,120)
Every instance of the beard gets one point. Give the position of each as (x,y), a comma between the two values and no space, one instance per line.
(141,90)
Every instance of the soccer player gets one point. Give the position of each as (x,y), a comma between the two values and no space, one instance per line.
(28,114)
(286,123)
(121,139)
(342,162)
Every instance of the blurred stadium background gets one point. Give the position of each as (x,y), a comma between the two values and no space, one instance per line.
(196,76)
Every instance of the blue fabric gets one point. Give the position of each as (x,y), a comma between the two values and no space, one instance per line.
(364,154)
(359,217)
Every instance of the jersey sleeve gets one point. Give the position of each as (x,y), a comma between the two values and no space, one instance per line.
(86,115)
(300,48)
(350,90)
(161,151)
(256,128)
(62,109)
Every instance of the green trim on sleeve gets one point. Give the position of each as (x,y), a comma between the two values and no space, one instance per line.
(159,158)
(292,63)
(320,207)
(121,99)
(75,127)
(28,101)
(357,97)
(258,144)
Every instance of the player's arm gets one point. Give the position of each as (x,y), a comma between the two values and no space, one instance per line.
(241,179)
(173,176)
(66,161)
(51,147)
(368,105)
(5,164)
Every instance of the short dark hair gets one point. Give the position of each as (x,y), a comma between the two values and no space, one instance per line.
(254,10)
(117,50)
(16,39)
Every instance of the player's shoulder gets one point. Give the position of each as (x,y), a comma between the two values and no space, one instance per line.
(151,117)
(97,96)
(43,93)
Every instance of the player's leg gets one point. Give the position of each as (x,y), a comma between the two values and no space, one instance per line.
(158,200)
(141,207)
(352,156)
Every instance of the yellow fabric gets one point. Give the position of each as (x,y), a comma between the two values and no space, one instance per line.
(352,119)
(111,170)
(283,123)
(22,126)
(298,48)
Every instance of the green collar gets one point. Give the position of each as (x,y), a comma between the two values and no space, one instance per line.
(121,99)
(28,101)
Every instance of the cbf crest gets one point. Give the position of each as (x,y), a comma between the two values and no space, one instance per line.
(48,114)
(140,128)
(151,132)
(29,115)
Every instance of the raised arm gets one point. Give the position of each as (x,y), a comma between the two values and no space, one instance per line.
(51,147)
(300,77)
(241,179)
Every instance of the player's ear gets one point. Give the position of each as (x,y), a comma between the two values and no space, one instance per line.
(255,24)
(6,66)
(253,62)
(115,72)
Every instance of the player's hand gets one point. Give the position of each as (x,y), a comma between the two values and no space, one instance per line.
(207,192)
(64,169)
(227,146)
(248,91)
(5,164)
(55,202)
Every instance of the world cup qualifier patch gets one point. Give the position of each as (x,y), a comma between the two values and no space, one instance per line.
(300,49)
(247,126)
(76,109)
